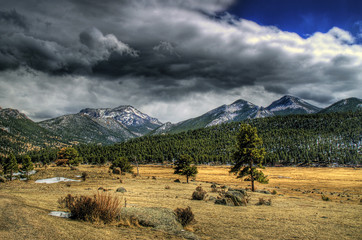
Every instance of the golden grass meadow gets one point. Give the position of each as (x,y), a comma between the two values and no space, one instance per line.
(297,210)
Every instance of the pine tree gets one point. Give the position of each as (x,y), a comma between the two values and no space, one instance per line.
(27,166)
(123,164)
(183,167)
(249,151)
(10,166)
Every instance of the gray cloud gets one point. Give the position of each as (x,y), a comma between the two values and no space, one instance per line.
(157,52)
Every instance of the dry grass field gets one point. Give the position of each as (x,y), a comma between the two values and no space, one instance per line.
(297,210)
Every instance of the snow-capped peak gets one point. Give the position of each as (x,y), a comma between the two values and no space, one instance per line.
(124,114)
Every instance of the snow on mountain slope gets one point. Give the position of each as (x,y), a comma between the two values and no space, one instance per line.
(237,111)
(291,105)
(129,117)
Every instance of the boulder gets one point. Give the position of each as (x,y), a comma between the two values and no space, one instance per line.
(243,191)
(121,189)
(162,219)
(264,191)
(232,198)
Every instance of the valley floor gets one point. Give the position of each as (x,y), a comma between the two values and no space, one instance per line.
(297,210)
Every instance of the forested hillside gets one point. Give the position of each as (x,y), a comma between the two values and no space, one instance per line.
(295,139)
(19,134)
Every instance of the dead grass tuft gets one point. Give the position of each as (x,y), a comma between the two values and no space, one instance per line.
(99,207)
(199,194)
(262,201)
(185,216)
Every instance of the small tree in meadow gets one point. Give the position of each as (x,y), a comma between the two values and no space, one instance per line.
(27,166)
(123,164)
(68,156)
(10,166)
(183,167)
(249,155)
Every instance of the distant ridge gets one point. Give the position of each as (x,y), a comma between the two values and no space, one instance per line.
(113,125)
(291,105)
(102,125)
(349,104)
(239,111)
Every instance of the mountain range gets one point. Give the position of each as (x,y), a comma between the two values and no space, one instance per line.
(111,125)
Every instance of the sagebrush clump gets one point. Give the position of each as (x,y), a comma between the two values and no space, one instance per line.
(325,198)
(99,207)
(199,194)
(185,216)
(262,201)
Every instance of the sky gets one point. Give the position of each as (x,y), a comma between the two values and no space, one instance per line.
(176,59)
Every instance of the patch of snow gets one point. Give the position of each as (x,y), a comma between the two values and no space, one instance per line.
(56,180)
(60,214)
(22,173)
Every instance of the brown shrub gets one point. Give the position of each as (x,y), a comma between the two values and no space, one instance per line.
(325,198)
(185,216)
(116,171)
(84,176)
(61,162)
(199,194)
(99,207)
(262,201)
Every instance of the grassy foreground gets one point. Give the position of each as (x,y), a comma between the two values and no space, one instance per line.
(297,210)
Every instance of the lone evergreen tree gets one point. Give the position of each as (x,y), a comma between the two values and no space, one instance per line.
(183,167)
(249,155)
(68,156)
(27,166)
(123,164)
(10,166)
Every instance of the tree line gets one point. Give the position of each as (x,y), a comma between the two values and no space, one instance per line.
(313,139)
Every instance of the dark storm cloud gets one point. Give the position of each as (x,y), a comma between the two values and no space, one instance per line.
(12,17)
(171,50)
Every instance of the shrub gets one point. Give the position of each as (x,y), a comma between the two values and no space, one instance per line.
(99,207)
(199,194)
(84,176)
(123,164)
(274,192)
(325,198)
(262,201)
(185,216)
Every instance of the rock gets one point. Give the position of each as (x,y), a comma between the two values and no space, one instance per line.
(116,171)
(263,191)
(243,191)
(154,178)
(177,181)
(121,189)
(2,179)
(232,198)
(163,219)
(221,201)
